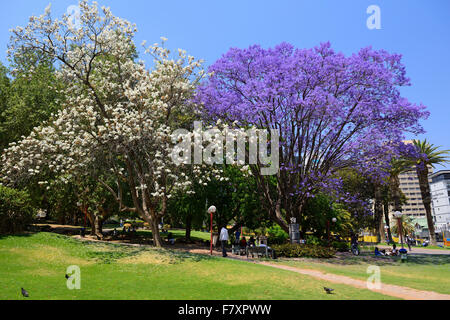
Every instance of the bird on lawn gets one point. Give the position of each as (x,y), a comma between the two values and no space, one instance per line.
(67,276)
(25,293)
(328,290)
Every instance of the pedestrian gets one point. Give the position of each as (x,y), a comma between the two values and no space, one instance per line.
(223,240)
(237,236)
(408,241)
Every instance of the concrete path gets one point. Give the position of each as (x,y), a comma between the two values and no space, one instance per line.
(421,250)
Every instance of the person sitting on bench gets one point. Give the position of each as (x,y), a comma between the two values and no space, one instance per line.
(243,242)
(170,238)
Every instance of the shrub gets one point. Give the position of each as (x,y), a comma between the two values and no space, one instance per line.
(289,250)
(341,246)
(277,235)
(16,210)
(314,240)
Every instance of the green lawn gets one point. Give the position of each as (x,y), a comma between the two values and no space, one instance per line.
(38,263)
(423,272)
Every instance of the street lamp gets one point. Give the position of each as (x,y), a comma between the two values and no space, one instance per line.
(211,210)
(398,215)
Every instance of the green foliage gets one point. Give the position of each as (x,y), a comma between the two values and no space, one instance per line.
(362,188)
(16,210)
(236,200)
(276,235)
(318,214)
(432,155)
(31,97)
(289,250)
(341,246)
(314,240)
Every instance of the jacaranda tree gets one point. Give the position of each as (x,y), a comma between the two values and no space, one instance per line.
(332,112)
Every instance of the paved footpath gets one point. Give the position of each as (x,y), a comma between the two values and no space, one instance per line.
(421,250)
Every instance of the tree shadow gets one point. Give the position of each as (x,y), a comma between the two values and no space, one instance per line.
(21,235)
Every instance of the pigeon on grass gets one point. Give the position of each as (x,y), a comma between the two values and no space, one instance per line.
(328,290)
(25,293)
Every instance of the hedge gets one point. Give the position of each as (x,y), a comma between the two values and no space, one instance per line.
(289,250)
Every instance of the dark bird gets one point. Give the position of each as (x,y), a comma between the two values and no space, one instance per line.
(67,276)
(25,293)
(328,290)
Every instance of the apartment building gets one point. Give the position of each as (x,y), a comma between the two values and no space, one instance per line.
(440,195)
(409,184)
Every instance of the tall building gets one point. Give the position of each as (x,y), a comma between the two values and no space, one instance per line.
(409,184)
(440,195)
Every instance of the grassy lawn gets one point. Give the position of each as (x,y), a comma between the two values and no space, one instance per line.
(423,272)
(38,263)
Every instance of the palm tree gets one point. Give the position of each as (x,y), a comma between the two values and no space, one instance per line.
(398,166)
(408,226)
(428,155)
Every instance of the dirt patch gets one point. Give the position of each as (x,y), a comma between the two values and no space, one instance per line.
(48,254)
(147,257)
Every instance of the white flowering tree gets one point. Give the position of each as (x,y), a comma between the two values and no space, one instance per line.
(116,122)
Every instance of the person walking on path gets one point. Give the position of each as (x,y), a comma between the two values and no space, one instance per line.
(408,241)
(223,239)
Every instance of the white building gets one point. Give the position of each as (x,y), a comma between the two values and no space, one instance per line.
(440,195)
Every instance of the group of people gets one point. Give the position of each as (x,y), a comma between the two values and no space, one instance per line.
(392,252)
(242,242)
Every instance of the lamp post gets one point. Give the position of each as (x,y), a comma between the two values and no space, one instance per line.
(398,215)
(211,210)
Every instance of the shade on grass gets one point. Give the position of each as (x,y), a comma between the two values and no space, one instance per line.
(38,263)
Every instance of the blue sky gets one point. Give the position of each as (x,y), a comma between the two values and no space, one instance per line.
(208,28)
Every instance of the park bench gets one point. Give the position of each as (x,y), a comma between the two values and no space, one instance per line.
(238,250)
(260,252)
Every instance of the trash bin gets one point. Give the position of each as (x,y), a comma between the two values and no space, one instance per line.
(403,254)
(215,239)
(294,233)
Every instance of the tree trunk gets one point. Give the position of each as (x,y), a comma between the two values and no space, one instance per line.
(422,174)
(98,226)
(381,228)
(386,221)
(395,191)
(157,240)
(378,213)
(91,219)
(188,227)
